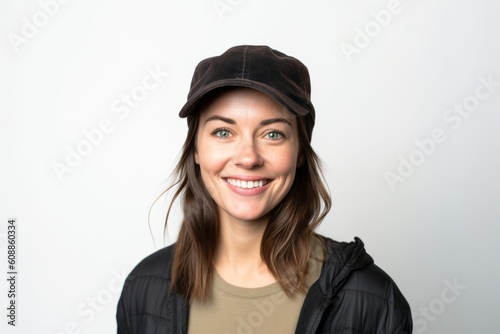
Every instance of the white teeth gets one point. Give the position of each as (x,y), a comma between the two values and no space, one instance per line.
(247,184)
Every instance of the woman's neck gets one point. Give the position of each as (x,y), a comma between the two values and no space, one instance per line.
(238,259)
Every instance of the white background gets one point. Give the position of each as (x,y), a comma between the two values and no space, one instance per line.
(80,233)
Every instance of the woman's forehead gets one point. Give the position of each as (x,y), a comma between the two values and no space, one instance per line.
(243,103)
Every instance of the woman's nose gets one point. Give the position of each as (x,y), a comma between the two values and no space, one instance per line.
(248,155)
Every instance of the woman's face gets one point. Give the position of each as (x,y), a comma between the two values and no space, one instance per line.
(247,151)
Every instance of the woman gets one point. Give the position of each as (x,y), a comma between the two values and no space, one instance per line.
(247,259)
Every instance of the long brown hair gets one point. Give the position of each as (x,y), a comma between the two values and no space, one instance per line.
(286,243)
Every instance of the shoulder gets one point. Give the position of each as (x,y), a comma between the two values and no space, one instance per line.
(361,294)
(349,262)
(150,275)
(373,286)
(145,297)
(157,265)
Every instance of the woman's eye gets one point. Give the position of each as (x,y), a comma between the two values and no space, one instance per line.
(222,133)
(274,135)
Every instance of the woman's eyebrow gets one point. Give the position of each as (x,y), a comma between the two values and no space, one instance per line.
(232,121)
(275,120)
(220,118)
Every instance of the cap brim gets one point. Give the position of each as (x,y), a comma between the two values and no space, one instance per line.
(276,95)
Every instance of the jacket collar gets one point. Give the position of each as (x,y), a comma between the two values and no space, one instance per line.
(341,260)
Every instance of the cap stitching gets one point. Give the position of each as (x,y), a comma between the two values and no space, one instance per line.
(243,71)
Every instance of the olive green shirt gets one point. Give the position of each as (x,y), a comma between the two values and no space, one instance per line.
(236,310)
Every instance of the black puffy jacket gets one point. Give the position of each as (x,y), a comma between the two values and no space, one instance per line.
(352,296)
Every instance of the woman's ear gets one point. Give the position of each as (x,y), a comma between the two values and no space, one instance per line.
(196,157)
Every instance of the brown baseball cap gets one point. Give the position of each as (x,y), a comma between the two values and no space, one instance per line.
(283,78)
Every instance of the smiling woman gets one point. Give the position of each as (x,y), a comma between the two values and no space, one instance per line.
(247,151)
(247,259)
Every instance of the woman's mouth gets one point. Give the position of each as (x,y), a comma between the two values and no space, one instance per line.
(247,184)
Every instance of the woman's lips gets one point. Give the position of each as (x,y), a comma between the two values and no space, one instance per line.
(247,187)
(247,184)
